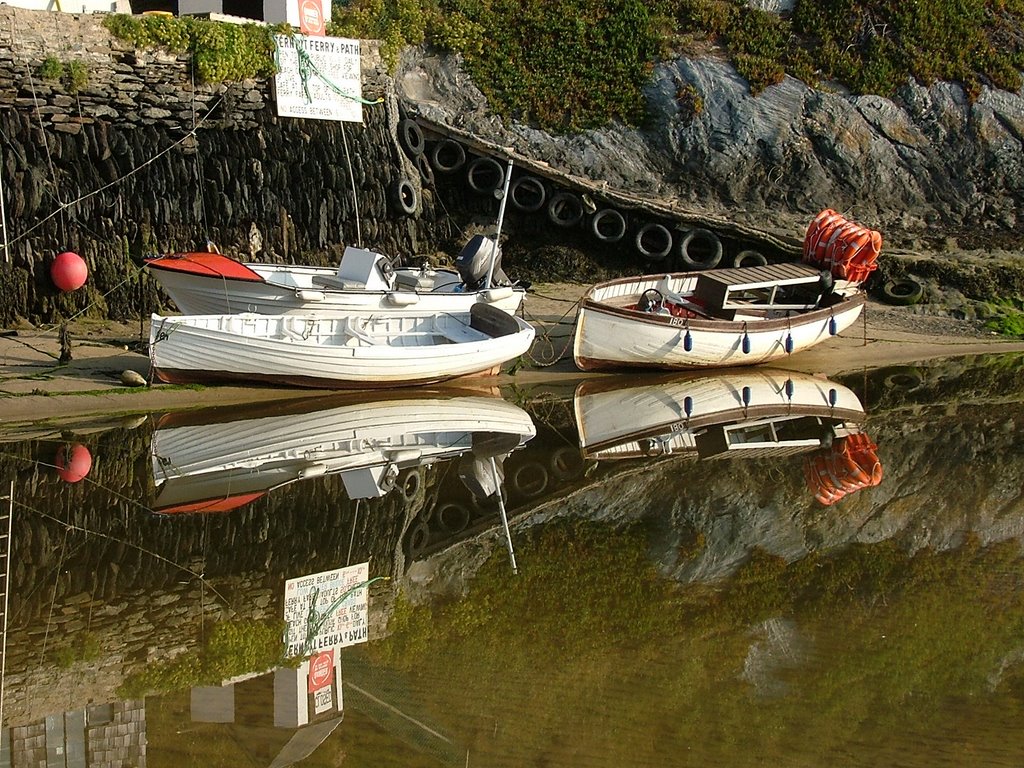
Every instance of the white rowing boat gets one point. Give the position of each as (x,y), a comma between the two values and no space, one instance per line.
(332,350)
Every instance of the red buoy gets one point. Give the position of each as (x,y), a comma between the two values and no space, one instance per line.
(73,463)
(68,271)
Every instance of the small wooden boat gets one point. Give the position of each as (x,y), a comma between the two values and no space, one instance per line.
(728,317)
(209,283)
(332,350)
(217,459)
(752,412)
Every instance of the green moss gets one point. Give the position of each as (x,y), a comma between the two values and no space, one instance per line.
(51,69)
(1006,316)
(219,51)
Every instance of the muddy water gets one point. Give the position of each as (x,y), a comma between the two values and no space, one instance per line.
(716,570)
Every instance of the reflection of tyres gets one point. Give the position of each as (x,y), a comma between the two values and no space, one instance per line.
(485,175)
(410,481)
(902,292)
(527,194)
(529,479)
(749,259)
(903,379)
(565,209)
(447,156)
(608,225)
(452,516)
(404,196)
(416,539)
(566,463)
(410,135)
(700,249)
(653,241)
(426,172)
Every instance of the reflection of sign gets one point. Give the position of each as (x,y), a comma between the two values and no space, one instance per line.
(322,700)
(321,669)
(318,77)
(311,17)
(326,610)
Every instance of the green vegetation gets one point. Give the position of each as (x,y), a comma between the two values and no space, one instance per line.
(1006,317)
(219,51)
(233,648)
(573,64)
(73,75)
(587,637)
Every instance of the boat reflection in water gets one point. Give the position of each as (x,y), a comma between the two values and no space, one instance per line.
(218,459)
(750,413)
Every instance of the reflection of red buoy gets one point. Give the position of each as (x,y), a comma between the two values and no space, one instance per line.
(68,271)
(73,464)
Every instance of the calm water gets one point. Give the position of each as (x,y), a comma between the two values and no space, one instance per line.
(747,568)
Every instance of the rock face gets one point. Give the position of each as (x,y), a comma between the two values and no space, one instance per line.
(927,164)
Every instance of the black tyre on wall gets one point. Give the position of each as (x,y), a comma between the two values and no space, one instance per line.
(608,225)
(527,194)
(447,156)
(410,136)
(653,241)
(749,258)
(700,249)
(565,209)
(404,197)
(484,175)
(902,292)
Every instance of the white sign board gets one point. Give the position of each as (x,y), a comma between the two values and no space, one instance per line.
(318,77)
(319,614)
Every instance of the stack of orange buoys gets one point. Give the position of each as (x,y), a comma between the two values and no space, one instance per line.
(851,463)
(847,249)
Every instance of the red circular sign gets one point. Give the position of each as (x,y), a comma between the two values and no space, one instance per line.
(321,669)
(311,17)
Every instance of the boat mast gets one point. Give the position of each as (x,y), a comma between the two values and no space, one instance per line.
(501,216)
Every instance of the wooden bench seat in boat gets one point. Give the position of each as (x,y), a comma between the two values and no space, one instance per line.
(790,286)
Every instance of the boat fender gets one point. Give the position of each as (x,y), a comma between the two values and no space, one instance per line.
(404,196)
(903,292)
(310,295)
(410,135)
(529,479)
(485,175)
(403,298)
(653,241)
(565,209)
(693,257)
(749,258)
(447,156)
(527,194)
(608,225)
(426,171)
(452,516)
(492,295)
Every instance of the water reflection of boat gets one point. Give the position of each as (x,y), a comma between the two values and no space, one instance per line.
(749,412)
(217,459)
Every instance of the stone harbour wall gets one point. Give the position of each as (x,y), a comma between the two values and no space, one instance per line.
(142,160)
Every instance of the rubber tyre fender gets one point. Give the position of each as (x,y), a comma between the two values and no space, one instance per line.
(608,225)
(410,136)
(566,463)
(904,379)
(527,194)
(749,258)
(484,175)
(416,539)
(529,479)
(565,209)
(452,516)
(404,197)
(902,292)
(711,259)
(447,156)
(410,481)
(425,169)
(654,241)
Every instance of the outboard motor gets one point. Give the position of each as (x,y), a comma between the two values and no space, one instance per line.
(474,262)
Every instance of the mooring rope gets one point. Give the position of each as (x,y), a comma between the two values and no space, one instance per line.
(545,340)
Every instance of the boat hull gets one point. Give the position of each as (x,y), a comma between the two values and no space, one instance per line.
(609,337)
(331,350)
(291,290)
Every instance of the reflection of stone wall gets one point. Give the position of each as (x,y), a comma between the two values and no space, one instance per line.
(122,155)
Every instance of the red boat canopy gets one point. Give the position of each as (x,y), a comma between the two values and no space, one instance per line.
(204,265)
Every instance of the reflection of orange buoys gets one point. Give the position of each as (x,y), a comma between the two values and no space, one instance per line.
(73,463)
(851,463)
